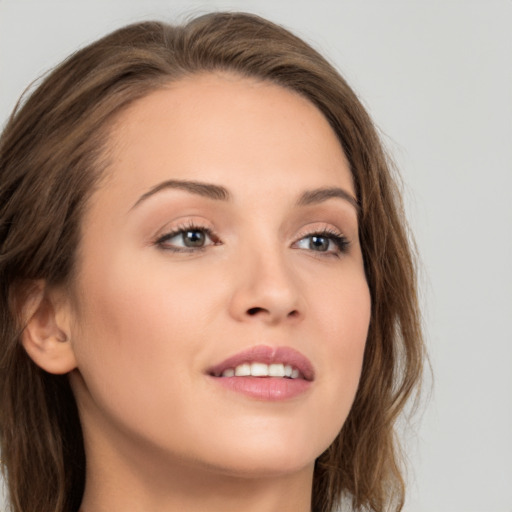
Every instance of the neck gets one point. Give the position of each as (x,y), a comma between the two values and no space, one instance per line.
(194,490)
(119,478)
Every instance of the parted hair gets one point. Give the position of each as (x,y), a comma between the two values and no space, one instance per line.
(52,156)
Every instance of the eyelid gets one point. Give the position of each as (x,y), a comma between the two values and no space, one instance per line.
(318,228)
(172,231)
(183,223)
(327,230)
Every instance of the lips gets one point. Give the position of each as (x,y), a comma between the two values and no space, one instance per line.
(265,373)
(266,355)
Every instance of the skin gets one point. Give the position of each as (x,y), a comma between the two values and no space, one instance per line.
(145,322)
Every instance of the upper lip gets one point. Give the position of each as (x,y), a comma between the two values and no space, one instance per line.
(268,355)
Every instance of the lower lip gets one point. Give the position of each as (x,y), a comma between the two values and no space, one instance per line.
(265,388)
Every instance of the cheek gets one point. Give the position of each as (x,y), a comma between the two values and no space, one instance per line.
(344,314)
(342,309)
(136,326)
(138,304)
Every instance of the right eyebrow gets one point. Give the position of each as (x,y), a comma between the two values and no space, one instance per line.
(199,188)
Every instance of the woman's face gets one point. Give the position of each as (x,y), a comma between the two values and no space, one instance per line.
(224,234)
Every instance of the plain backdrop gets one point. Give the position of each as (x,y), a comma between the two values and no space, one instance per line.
(437,78)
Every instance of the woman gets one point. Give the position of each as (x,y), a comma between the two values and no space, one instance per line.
(208,295)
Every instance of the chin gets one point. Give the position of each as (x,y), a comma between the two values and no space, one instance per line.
(263,454)
(263,466)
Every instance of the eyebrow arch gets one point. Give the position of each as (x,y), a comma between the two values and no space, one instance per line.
(320,195)
(220,193)
(208,190)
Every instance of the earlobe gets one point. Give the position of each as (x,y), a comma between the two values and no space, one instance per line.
(46,336)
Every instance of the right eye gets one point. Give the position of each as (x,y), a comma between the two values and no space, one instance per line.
(187,239)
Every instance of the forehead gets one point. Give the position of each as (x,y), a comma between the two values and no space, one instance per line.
(226,129)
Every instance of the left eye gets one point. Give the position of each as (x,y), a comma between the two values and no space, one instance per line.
(186,239)
(323,242)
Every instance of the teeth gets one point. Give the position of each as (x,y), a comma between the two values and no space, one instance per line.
(243,370)
(276,370)
(262,370)
(259,370)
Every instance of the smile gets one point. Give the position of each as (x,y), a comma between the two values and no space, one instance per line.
(265,373)
(265,361)
(263,370)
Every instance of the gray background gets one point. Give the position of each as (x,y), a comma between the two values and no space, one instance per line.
(437,78)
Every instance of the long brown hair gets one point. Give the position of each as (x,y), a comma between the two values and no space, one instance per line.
(52,154)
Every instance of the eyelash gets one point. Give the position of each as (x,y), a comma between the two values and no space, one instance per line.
(182,229)
(339,240)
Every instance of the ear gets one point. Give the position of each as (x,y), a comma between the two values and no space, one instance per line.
(46,336)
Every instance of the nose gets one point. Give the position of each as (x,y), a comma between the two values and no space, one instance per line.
(266,290)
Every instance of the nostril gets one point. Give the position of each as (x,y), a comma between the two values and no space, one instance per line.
(254,311)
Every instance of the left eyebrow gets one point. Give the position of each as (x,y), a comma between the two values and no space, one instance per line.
(319,195)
